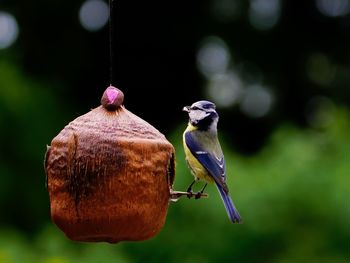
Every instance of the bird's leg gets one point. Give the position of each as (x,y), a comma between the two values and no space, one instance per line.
(199,194)
(189,189)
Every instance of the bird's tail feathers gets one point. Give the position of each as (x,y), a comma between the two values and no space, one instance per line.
(231,210)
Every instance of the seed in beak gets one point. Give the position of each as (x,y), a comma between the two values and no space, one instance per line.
(186,108)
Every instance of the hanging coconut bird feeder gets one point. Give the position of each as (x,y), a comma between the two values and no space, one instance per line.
(110,175)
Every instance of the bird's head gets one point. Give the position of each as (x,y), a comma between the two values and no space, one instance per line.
(202,115)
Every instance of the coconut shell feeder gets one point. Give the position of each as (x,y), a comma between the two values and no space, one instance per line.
(110,175)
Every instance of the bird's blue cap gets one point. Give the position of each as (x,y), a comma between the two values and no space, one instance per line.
(202,105)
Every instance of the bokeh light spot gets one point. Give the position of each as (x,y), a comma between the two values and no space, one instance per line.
(8,30)
(213,57)
(94,14)
(264,14)
(333,8)
(225,89)
(256,102)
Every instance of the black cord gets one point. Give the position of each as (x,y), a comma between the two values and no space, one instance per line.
(111,41)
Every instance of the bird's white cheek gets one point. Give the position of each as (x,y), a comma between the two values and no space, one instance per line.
(197,115)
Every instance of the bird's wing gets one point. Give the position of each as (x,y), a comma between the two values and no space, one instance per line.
(214,165)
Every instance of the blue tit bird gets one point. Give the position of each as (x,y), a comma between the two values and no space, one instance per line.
(203,152)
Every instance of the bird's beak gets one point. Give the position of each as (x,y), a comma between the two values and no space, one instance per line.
(186,108)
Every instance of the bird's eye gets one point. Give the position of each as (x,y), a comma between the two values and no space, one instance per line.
(194,108)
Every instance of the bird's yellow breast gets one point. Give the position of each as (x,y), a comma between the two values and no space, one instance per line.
(198,171)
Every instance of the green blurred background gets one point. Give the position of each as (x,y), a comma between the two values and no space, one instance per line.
(279,72)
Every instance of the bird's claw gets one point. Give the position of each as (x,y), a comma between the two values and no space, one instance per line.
(198,195)
(190,194)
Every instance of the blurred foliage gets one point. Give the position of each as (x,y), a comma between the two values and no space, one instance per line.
(29,117)
(293,195)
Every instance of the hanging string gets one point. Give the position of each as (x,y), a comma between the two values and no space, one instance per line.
(111,35)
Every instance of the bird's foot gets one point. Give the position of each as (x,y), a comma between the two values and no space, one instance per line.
(190,194)
(200,195)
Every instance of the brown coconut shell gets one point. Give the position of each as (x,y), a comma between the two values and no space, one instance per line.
(109,176)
